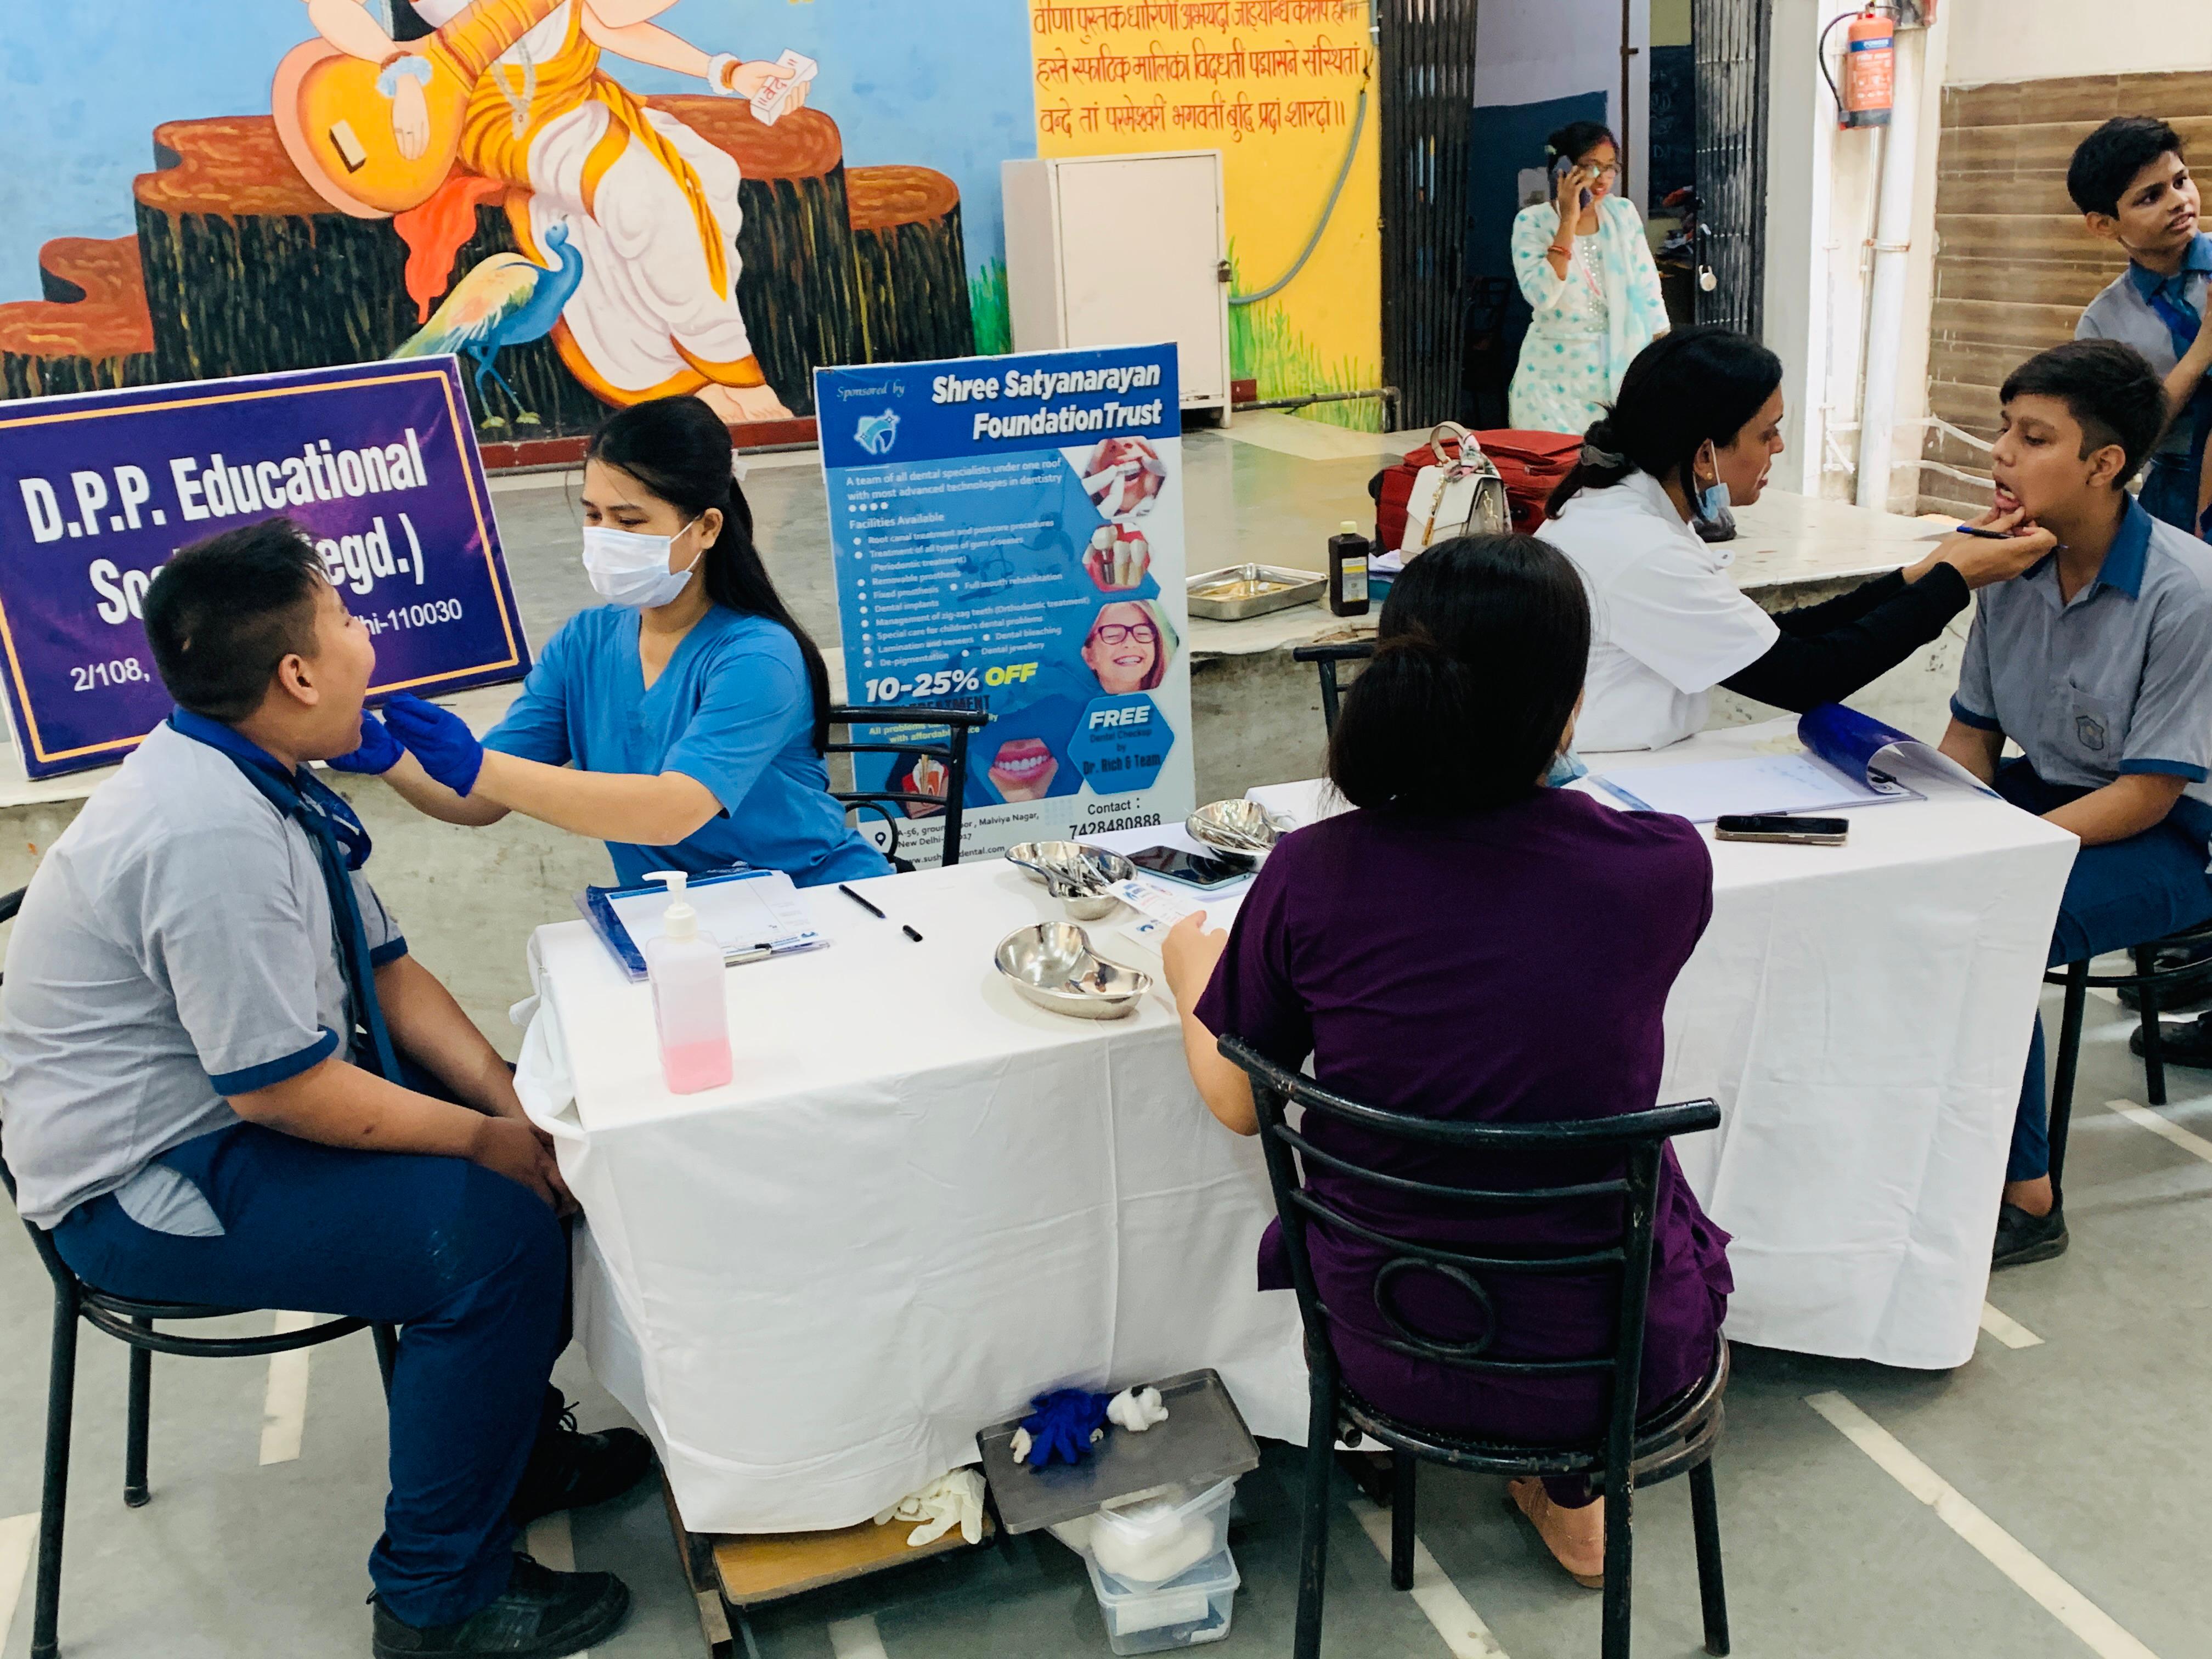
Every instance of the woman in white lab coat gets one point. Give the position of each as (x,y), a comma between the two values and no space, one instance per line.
(1697,426)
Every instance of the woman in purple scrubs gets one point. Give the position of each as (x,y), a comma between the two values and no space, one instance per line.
(1468,943)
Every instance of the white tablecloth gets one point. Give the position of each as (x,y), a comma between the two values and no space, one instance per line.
(922,1199)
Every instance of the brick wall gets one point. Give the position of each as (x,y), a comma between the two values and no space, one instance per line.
(2014,263)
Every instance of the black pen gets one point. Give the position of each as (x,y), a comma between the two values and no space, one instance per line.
(862,903)
(907,930)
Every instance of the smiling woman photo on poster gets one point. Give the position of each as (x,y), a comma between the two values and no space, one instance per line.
(1129,646)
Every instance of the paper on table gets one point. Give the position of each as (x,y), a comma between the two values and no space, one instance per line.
(1705,790)
(742,915)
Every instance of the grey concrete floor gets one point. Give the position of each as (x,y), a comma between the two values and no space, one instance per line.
(2086,1448)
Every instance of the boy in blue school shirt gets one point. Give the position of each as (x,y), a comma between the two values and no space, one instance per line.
(2098,663)
(2133,185)
(226,1081)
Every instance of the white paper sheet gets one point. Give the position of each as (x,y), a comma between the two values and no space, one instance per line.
(741,916)
(1704,790)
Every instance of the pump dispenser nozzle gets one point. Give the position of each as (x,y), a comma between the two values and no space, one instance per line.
(683,922)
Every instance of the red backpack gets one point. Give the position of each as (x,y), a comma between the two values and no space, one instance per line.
(1532,464)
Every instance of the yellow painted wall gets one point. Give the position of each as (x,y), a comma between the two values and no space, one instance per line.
(1274,85)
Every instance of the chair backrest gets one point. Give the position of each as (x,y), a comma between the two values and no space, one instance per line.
(946,745)
(1633,1141)
(57,1269)
(1324,658)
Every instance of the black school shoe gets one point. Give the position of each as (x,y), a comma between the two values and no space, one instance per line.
(2022,1237)
(2182,1044)
(543,1614)
(572,1471)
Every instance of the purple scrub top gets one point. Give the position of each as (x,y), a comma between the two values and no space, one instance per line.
(1504,966)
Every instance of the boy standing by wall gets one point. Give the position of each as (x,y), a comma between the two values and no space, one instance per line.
(2132,184)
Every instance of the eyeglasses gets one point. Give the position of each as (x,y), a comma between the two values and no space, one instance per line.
(1115,633)
(1608,174)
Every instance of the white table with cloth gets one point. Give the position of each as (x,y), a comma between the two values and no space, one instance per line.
(922,1199)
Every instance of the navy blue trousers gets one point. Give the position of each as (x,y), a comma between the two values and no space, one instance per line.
(2169,488)
(472,1266)
(2124,893)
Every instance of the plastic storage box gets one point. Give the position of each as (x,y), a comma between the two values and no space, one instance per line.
(1161,1537)
(1183,1613)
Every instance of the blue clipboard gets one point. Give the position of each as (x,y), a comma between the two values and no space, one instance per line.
(596,905)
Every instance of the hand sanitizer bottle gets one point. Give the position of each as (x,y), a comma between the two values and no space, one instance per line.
(684,966)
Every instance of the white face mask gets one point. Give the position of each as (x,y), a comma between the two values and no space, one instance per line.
(628,568)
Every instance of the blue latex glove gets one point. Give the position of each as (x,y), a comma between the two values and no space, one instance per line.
(1060,1425)
(378,753)
(449,751)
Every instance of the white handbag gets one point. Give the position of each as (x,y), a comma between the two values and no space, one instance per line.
(1462,496)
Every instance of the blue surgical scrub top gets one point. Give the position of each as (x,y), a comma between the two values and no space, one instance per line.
(732,709)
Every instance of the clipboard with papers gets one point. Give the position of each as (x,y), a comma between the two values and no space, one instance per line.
(1849,760)
(751,913)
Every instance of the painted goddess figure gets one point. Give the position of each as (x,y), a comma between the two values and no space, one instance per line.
(651,205)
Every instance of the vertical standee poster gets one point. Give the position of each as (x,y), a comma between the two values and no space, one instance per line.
(1009,537)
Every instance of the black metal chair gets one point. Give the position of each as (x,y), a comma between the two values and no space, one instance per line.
(1324,658)
(2145,981)
(950,751)
(1677,1439)
(130,1322)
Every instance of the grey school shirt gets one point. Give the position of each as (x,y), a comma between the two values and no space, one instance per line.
(2122,312)
(175,947)
(2119,681)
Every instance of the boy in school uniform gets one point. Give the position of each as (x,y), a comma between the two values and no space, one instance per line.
(2133,185)
(223,1079)
(2098,663)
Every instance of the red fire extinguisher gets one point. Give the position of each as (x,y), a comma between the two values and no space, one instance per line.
(1869,69)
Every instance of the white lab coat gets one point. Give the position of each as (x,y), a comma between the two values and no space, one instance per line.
(1667,623)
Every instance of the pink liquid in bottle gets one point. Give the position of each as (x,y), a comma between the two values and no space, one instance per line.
(692,1067)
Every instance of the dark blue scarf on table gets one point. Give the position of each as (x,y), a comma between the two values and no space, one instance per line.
(342,846)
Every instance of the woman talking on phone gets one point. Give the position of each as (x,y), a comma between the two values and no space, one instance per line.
(1586,271)
(683,722)
(1696,427)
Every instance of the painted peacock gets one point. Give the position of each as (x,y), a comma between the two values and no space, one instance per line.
(506,300)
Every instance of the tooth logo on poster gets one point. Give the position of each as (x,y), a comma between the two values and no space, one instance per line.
(877,432)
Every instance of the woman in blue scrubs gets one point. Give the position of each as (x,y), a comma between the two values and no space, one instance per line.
(683,722)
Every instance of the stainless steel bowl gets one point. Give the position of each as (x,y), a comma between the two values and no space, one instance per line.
(1074,873)
(1051,964)
(1236,826)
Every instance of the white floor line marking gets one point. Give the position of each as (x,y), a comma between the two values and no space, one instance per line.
(552,1545)
(2144,1118)
(856,1639)
(18,1535)
(284,1403)
(2007,1329)
(2096,1628)
(1435,1594)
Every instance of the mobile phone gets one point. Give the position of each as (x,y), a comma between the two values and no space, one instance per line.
(1206,871)
(1794,832)
(1560,169)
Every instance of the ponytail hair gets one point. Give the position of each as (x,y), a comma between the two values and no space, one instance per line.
(681,452)
(1685,389)
(1480,658)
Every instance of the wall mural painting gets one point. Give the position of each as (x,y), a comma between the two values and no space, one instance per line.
(474,176)
(1283,88)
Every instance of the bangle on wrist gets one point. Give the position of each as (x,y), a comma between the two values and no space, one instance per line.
(401,65)
(718,73)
